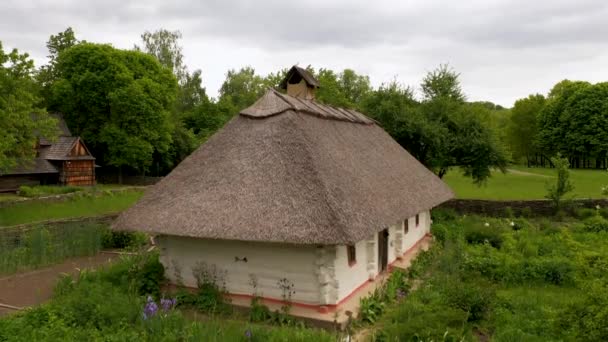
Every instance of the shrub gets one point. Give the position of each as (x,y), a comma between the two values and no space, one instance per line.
(473,298)
(584,213)
(121,239)
(586,319)
(444,214)
(480,234)
(526,212)
(596,224)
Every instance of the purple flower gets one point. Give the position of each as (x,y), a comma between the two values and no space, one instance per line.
(150,309)
(248,334)
(167,304)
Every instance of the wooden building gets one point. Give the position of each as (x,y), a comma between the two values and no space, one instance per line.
(66,161)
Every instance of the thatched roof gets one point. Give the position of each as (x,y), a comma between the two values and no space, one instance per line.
(288,170)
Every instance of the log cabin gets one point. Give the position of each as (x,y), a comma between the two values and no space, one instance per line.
(65,161)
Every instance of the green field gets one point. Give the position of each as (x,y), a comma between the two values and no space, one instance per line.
(526,183)
(78,206)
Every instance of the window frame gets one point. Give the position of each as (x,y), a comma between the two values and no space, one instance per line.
(406,226)
(417,220)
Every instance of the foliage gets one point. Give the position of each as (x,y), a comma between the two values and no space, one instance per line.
(48,74)
(118,101)
(596,224)
(562,185)
(21,121)
(163,44)
(118,239)
(542,283)
(522,129)
(39,246)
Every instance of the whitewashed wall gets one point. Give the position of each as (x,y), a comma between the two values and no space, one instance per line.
(321,275)
(268,262)
(351,277)
(416,233)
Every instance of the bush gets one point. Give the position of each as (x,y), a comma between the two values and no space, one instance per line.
(596,224)
(585,213)
(121,239)
(473,298)
(480,234)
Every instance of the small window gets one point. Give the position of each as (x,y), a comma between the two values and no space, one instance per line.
(417,220)
(406,226)
(351,252)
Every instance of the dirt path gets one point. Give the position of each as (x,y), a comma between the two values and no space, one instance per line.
(35,287)
(524,173)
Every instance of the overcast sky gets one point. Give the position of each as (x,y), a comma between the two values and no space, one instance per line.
(504,50)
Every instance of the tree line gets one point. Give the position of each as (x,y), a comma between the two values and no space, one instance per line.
(571,120)
(143,111)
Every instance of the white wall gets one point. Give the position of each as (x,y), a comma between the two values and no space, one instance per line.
(416,233)
(351,277)
(268,262)
(321,275)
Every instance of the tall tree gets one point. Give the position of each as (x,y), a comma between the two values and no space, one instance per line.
(119,101)
(21,122)
(442,83)
(522,128)
(344,89)
(48,74)
(164,45)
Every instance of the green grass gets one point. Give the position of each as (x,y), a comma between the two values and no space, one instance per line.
(487,279)
(514,186)
(77,206)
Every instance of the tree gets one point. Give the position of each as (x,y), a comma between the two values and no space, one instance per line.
(442,83)
(466,139)
(562,185)
(56,44)
(21,122)
(119,101)
(346,89)
(163,44)
(522,127)
(241,89)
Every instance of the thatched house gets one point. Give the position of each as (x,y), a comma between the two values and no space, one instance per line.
(66,161)
(294,189)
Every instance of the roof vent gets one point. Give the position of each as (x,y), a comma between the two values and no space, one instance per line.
(300,83)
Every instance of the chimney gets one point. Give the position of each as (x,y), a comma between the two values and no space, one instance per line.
(300,83)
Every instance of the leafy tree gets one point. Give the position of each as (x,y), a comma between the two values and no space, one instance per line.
(466,140)
(346,89)
(522,128)
(562,185)
(163,44)
(241,89)
(21,122)
(56,44)
(119,101)
(442,83)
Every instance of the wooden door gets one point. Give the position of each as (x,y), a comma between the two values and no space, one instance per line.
(383,250)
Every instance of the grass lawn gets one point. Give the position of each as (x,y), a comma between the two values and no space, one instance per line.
(78,206)
(526,183)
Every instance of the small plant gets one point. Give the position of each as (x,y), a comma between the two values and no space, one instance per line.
(258,311)
(287,292)
(211,283)
(562,186)
(596,224)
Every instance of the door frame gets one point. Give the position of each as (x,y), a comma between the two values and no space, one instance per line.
(383,250)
